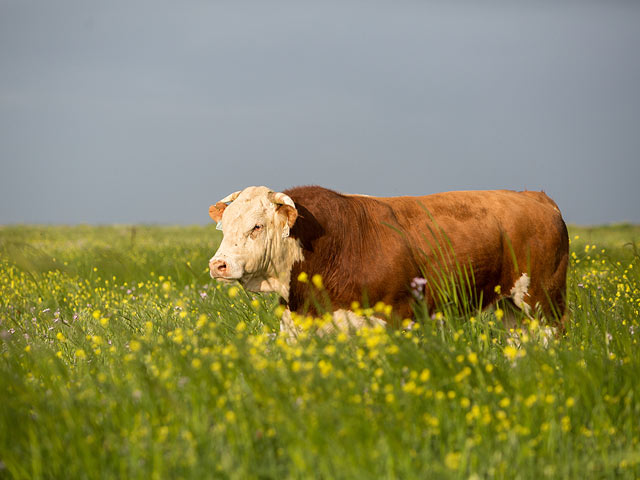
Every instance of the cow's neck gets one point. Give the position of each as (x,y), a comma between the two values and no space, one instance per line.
(278,279)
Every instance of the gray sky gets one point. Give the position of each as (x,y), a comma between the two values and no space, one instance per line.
(148,112)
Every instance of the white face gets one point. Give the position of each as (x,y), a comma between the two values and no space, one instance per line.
(255,248)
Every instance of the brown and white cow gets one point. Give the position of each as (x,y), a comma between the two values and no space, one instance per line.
(372,248)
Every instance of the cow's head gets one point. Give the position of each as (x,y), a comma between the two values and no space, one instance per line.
(256,249)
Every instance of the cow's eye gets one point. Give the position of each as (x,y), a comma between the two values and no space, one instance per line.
(256,230)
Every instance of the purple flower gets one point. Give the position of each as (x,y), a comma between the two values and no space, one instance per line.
(417,287)
(418,282)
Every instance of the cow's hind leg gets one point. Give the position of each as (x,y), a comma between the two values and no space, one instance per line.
(550,297)
(525,302)
(517,304)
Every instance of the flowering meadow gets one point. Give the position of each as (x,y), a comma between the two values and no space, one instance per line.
(121,358)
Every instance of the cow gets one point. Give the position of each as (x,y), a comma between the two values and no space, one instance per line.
(507,244)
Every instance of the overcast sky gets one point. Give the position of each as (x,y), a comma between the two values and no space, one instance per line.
(148,112)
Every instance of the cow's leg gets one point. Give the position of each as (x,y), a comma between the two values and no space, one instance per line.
(347,321)
(341,321)
(516,303)
(287,327)
(558,294)
(513,318)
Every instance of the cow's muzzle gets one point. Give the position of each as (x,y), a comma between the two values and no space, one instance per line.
(219,269)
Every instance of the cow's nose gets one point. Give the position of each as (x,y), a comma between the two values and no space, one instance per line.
(218,268)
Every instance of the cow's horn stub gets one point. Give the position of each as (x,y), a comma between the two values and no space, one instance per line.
(281,199)
(230,198)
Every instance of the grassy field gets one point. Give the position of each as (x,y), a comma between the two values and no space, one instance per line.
(121,358)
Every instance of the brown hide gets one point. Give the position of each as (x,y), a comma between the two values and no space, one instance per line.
(373,247)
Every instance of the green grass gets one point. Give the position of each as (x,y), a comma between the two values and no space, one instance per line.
(121,358)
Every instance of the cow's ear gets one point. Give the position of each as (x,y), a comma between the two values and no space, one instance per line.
(289,212)
(215,211)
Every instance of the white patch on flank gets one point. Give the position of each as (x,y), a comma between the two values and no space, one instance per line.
(519,291)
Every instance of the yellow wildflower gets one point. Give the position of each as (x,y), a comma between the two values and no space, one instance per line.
(409,387)
(452,460)
(202,320)
(330,349)
(325,368)
(565,423)
(510,352)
